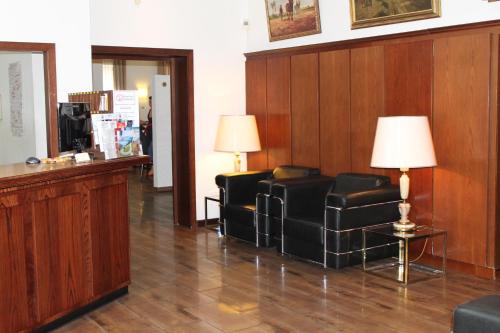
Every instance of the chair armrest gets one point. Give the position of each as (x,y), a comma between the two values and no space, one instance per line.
(303,196)
(241,187)
(363,198)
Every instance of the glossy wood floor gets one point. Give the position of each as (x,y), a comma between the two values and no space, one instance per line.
(193,282)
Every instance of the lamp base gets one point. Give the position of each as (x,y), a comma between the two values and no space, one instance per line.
(404,227)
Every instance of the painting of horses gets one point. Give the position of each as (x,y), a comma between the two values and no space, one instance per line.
(292,18)
(368,13)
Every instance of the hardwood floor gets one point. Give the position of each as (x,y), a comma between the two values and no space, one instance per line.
(195,282)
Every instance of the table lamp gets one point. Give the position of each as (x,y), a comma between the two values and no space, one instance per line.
(237,134)
(403,143)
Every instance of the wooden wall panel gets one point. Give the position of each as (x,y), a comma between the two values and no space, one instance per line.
(15,312)
(278,112)
(408,92)
(461,115)
(334,101)
(305,110)
(367,104)
(109,240)
(62,241)
(496,218)
(256,102)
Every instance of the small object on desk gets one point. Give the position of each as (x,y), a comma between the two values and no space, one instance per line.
(32,160)
(82,158)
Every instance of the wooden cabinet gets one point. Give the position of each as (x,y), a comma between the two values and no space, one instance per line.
(64,239)
(110,241)
(16,280)
(62,248)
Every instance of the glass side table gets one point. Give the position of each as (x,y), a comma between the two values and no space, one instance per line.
(385,235)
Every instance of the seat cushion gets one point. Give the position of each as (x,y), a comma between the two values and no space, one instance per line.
(306,229)
(481,315)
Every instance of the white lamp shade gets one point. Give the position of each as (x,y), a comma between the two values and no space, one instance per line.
(403,143)
(237,134)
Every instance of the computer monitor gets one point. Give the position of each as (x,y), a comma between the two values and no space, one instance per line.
(75,126)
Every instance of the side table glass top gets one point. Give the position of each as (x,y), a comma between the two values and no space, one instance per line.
(422,231)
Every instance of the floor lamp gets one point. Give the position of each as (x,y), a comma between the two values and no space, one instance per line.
(237,134)
(403,143)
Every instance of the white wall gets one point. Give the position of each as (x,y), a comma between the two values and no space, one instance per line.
(213,29)
(63,22)
(139,75)
(336,22)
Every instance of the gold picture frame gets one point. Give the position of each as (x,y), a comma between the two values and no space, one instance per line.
(301,20)
(369,13)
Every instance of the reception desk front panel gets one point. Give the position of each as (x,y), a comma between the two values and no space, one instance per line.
(64,240)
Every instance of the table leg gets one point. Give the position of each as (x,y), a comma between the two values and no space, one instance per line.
(445,239)
(363,251)
(406,262)
(206,201)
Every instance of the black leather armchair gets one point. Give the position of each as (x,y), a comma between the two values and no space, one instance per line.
(244,198)
(321,219)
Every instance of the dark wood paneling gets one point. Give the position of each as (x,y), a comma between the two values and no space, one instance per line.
(305,110)
(408,92)
(496,219)
(278,112)
(335,126)
(461,114)
(62,245)
(15,312)
(367,104)
(256,102)
(110,249)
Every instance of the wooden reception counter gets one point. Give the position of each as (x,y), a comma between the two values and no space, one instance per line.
(64,239)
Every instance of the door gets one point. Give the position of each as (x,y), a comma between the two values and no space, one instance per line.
(162,132)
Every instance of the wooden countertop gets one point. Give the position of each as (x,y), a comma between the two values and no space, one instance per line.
(20,174)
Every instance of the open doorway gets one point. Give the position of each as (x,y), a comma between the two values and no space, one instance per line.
(178,65)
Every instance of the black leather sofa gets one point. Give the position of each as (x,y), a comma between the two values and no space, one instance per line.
(244,198)
(321,219)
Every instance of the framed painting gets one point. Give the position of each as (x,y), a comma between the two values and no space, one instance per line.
(292,18)
(368,13)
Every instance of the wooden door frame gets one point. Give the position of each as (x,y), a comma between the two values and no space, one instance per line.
(49,60)
(185,199)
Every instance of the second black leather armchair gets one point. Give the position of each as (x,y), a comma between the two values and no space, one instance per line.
(321,219)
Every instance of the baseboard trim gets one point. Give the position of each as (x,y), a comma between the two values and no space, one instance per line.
(462,267)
